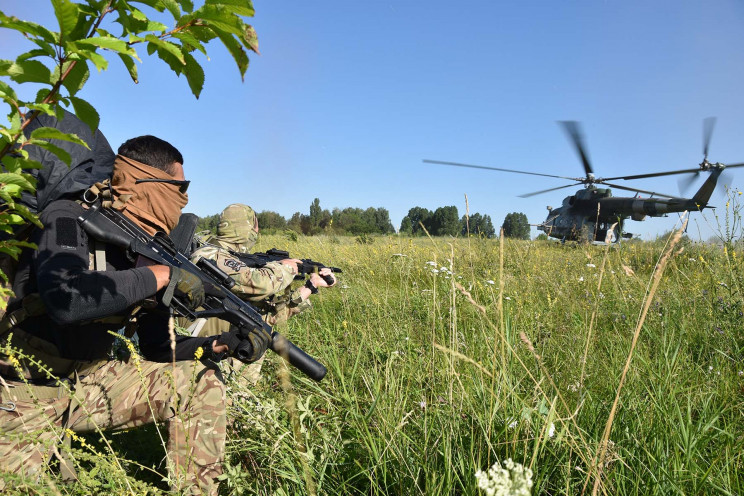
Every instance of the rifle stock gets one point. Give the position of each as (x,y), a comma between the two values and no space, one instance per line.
(110,226)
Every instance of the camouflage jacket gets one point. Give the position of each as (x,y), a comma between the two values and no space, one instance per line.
(268,287)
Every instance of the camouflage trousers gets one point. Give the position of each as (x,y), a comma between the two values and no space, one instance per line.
(190,398)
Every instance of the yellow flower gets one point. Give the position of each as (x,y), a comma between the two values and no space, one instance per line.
(198,353)
(345,324)
(372,272)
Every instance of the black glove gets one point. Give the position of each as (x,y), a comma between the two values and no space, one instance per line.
(186,286)
(246,345)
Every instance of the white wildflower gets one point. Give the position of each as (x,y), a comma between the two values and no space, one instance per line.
(512,424)
(490,282)
(507,298)
(551,430)
(422,404)
(434,271)
(590,265)
(399,255)
(433,264)
(710,368)
(444,269)
(505,479)
(581,279)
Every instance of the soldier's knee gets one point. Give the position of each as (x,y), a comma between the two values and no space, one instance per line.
(211,388)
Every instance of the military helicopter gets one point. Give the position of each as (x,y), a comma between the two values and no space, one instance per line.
(592,212)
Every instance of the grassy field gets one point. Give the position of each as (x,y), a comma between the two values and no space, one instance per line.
(446,356)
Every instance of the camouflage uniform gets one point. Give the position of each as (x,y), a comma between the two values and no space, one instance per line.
(121,395)
(268,287)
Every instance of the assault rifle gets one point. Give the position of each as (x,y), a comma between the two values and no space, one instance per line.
(110,226)
(273,255)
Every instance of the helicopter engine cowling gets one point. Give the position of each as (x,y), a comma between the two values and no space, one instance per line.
(638,217)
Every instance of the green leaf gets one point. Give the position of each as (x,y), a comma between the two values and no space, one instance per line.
(109,43)
(27,28)
(26,214)
(63,155)
(232,45)
(194,74)
(47,108)
(54,133)
(131,67)
(250,39)
(77,77)
(190,41)
(37,52)
(172,61)
(221,18)
(47,48)
(98,60)
(30,71)
(186,5)
(6,92)
(18,164)
(5,65)
(173,8)
(67,16)
(240,7)
(86,112)
(18,180)
(202,33)
(155,4)
(171,48)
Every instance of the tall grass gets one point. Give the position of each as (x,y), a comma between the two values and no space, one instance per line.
(441,364)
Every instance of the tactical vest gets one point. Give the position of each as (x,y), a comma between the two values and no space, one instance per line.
(35,349)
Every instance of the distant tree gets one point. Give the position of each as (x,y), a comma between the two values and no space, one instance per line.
(516,226)
(417,216)
(208,223)
(445,222)
(295,222)
(271,221)
(542,237)
(480,225)
(382,221)
(405,226)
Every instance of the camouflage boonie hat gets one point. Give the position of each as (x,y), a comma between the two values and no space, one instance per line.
(238,226)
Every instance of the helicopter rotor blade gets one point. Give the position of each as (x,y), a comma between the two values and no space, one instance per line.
(573,129)
(686,182)
(527,195)
(708,124)
(457,164)
(636,190)
(651,174)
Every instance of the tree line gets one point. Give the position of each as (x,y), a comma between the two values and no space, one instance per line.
(444,221)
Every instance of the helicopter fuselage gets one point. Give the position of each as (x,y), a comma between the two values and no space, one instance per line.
(589,214)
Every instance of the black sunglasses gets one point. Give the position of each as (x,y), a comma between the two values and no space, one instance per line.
(182,185)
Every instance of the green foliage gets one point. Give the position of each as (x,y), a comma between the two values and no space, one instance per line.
(60,64)
(480,225)
(269,221)
(416,218)
(208,223)
(516,226)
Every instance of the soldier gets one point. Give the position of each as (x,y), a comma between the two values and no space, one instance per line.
(70,293)
(268,287)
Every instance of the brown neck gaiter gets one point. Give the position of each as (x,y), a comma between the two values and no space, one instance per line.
(153,206)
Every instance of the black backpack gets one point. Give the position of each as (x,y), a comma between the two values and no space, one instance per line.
(55,180)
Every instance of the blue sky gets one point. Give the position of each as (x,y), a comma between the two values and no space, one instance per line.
(348,97)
